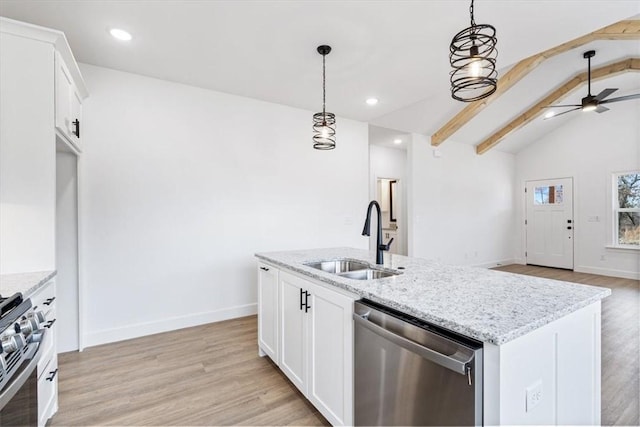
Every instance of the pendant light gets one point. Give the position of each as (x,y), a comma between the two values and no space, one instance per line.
(473,54)
(324,124)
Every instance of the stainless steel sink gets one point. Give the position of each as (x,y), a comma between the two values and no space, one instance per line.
(351,269)
(338,266)
(368,274)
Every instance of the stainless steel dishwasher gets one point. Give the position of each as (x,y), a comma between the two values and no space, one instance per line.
(409,372)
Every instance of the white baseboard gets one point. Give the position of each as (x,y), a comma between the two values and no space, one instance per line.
(106,336)
(492,264)
(633,275)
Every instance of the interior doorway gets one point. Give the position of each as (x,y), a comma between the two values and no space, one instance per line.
(549,223)
(389,197)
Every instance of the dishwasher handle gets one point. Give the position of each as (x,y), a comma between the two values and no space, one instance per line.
(453,364)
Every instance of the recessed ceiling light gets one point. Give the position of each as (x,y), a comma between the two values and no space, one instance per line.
(372,101)
(120,34)
(549,114)
(397,141)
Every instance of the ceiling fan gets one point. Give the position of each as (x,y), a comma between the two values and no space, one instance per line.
(591,102)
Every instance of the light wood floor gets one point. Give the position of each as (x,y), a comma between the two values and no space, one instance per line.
(620,341)
(206,375)
(212,375)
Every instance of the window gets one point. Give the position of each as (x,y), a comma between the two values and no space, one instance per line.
(626,207)
(548,195)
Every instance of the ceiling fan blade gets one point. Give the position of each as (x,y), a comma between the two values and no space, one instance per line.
(606,92)
(621,98)
(601,109)
(566,105)
(564,112)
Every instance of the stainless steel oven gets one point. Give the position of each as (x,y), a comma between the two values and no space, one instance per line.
(21,333)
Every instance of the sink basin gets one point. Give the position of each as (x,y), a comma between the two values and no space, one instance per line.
(368,274)
(338,266)
(351,269)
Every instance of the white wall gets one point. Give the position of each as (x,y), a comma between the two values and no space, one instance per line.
(460,204)
(181,186)
(27,156)
(589,148)
(389,163)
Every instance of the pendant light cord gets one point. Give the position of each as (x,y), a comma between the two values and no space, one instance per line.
(473,21)
(323,84)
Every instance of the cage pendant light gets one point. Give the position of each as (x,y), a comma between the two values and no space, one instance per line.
(324,124)
(473,54)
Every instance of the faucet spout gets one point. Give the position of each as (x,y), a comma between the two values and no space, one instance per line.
(366,231)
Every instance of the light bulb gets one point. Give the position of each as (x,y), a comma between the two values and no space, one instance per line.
(324,132)
(590,107)
(474,68)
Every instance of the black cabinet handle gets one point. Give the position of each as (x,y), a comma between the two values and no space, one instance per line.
(306,301)
(53,375)
(301,304)
(50,323)
(569,228)
(49,301)
(76,132)
(264,269)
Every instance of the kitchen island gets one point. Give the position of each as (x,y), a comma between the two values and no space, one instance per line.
(541,337)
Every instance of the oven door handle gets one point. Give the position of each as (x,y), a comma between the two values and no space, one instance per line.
(17,383)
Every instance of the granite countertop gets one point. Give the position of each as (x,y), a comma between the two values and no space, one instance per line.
(490,306)
(26,283)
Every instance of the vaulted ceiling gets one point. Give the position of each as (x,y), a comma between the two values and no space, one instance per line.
(396,51)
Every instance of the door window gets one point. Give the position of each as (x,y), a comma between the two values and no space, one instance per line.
(548,195)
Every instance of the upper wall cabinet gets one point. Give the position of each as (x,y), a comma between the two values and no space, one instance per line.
(68,104)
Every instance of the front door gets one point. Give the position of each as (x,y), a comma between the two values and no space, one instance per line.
(549,222)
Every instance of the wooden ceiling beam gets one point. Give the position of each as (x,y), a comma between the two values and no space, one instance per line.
(622,30)
(630,64)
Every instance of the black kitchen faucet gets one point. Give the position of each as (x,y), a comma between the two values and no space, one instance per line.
(366,231)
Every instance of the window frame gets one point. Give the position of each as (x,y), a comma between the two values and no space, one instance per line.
(617,210)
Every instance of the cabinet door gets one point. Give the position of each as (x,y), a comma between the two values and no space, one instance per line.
(75,117)
(268,310)
(330,347)
(68,104)
(64,83)
(292,329)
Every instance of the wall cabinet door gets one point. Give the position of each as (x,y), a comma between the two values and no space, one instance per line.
(293,323)
(330,352)
(68,104)
(268,311)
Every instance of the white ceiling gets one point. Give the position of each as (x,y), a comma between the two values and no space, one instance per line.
(385,137)
(396,51)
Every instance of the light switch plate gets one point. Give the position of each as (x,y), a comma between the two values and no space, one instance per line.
(534,395)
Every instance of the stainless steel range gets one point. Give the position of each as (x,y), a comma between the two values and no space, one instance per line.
(22,329)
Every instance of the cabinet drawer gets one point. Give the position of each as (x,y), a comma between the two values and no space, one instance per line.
(48,391)
(44,299)
(47,351)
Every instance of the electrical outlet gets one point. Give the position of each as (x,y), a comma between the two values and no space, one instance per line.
(534,395)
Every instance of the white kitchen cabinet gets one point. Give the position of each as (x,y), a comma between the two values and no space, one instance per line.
(316,351)
(293,325)
(68,104)
(44,300)
(330,358)
(268,291)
